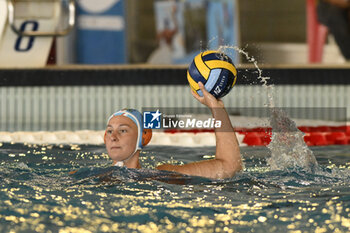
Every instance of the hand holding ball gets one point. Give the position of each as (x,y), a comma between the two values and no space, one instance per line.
(215,70)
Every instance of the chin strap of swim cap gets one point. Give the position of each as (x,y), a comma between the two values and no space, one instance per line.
(136,117)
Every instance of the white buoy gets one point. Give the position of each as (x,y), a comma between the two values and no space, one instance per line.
(49,138)
(95,139)
(72,137)
(62,135)
(5,137)
(84,134)
(240,138)
(24,137)
(184,139)
(207,139)
(161,139)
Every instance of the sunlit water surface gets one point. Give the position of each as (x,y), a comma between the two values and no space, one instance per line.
(38,194)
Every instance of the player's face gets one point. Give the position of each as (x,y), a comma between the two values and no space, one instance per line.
(120,138)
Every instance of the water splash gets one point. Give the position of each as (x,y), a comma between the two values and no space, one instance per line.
(263,80)
(287,146)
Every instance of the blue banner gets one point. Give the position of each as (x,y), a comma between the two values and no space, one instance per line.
(222,23)
(186,28)
(101,34)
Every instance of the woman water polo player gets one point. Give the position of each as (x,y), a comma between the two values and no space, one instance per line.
(125,130)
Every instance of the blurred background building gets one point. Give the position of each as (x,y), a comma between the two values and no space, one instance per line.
(169,31)
(132,32)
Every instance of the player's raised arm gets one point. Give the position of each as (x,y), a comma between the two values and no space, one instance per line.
(227,160)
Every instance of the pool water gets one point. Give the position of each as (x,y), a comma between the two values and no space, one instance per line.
(38,194)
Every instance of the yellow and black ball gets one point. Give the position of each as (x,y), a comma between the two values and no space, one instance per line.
(215,70)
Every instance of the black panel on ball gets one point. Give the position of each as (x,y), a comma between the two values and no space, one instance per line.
(226,86)
(195,74)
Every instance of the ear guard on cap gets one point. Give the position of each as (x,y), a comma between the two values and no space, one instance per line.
(146,136)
